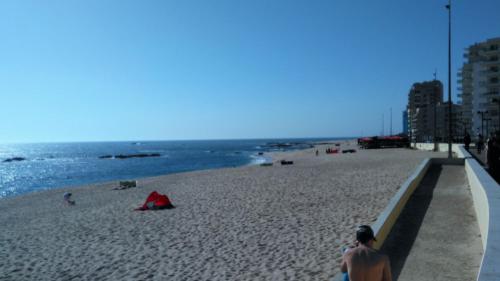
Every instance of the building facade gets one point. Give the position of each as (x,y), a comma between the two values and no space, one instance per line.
(443,119)
(479,81)
(405,122)
(423,101)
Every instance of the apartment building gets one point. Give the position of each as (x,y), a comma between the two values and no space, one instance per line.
(405,122)
(443,119)
(479,86)
(423,101)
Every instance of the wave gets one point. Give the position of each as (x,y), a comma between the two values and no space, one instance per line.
(258,159)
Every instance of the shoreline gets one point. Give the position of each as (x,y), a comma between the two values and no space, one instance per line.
(252,161)
(249,222)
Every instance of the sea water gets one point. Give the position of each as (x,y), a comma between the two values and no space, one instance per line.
(53,165)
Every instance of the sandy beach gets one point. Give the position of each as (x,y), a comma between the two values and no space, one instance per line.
(246,223)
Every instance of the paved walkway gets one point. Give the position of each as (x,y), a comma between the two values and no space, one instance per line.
(437,235)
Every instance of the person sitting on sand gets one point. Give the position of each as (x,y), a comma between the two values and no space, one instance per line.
(67,198)
(363,262)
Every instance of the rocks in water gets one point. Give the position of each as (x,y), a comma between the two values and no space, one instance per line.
(280,145)
(141,155)
(126,156)
(14,159)
(106,157)
(289,145)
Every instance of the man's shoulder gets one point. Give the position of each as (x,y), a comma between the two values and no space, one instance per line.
(368,251)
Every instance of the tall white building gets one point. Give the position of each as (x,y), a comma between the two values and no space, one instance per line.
(480,86)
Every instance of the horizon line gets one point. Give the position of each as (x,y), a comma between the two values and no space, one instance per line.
(166,140)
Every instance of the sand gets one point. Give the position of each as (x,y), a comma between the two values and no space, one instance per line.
(245,223)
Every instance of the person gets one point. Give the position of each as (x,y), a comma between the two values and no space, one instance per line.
(363,262)
(317,152)
(493,156)
(467,141)
(345,275)
(67,198)
(489,144)
(480,143)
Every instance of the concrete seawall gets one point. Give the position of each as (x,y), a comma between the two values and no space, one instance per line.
(485,194)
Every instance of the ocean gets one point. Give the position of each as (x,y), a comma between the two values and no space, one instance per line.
(42,166)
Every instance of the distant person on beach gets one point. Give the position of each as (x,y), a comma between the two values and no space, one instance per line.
(363,263)
(467,140)
(317,152)
(67,198)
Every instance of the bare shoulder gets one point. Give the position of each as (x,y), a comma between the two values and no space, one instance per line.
(385,258)
(348,254)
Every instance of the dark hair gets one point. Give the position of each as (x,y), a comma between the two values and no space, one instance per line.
(364,234)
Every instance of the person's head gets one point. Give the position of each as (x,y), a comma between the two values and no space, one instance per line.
(365,235)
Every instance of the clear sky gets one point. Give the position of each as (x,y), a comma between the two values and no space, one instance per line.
(101,70)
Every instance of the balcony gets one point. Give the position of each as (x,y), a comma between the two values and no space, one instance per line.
(489,74)
(493,82)
(489,94)
(491,61)
(493,49)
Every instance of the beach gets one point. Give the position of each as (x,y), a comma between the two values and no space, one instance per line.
(245,223)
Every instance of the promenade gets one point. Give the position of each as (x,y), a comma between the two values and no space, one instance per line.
(480,157)
(437,236)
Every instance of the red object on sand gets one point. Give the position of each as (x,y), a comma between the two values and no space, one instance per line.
(156,201)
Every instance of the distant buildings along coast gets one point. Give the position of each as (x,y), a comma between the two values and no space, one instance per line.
(428,113)
(478,109)
(479,81)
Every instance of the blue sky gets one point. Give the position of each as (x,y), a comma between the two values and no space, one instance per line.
(223,69)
